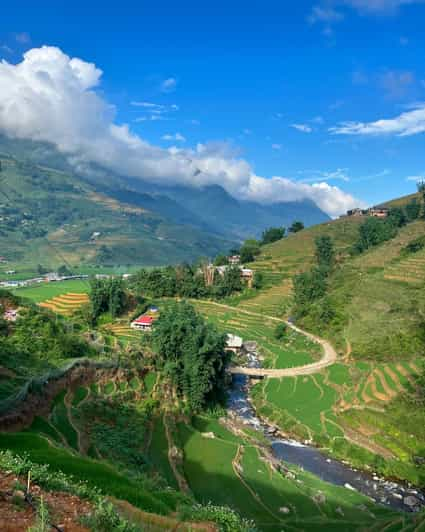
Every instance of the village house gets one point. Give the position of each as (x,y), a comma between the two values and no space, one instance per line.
(378,212)
(234,343)
(142,323)
(234,260)
(3,260)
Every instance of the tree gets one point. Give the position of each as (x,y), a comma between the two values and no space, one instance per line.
(272,235)
(373,232)
(221,260)
(397,217)
(413,210)
(280,331)
(308,287)
(296,227)
(64,270)
(190,353)
(325,252)
(258,280)
(249,250)
(107,295)
(41,270)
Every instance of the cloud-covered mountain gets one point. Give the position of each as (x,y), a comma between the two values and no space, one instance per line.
(50,97)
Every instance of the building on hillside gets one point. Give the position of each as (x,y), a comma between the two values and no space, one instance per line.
(10,272)
(3,260)
(378,212)
(234,260)
(221,270)
(142,323)
(247,275)
(234,343)
(356,212)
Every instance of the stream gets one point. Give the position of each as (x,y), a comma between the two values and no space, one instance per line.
(382,491)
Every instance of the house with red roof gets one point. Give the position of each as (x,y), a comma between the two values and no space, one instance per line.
(142,323)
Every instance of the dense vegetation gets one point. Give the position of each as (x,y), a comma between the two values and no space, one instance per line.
(188,281)
(190,352)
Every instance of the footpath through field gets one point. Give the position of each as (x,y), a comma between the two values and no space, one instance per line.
(329,354)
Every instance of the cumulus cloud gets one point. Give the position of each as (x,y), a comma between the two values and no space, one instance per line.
(406,124)
(304,128)
(51,97)
(276,146)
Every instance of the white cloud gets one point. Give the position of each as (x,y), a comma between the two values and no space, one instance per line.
(416,178)
(178,137)
(304,128)
(406,124)
(52,98)
(276,146)
(169,85)
(322,13)
(379,7)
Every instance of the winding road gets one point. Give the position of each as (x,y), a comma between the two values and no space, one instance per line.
(329,354)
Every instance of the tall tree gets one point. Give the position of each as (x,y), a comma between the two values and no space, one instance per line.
(190,352)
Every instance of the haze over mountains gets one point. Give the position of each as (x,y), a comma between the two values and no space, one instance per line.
(139,222)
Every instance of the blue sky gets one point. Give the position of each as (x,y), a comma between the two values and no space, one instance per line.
(270,84)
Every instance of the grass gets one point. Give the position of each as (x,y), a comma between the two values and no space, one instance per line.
(294,350)
(80,395)
(95,473)
(46,291)
(158,453)
(60,421)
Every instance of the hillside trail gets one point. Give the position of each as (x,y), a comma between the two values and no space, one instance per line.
(329,357)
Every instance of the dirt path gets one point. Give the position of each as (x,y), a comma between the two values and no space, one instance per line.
(367,443)
(329,357)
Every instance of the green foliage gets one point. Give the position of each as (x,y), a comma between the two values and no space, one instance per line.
(280,331)
(308,287)
(42,520)
(296,227)
(273,234)
(105,518)
(413,210)
(186,281)
(415,245)
(227,519)
(107,295)
(258,282)
(325,252)
(374,231)
(249,250)
(190,352)
(221,260)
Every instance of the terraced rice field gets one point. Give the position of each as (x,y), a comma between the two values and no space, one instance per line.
(65,304)
(226,469)
(293,350)
(122,330)
(409,270)
(338,402)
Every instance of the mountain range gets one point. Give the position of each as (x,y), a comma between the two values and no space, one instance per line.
(51,214)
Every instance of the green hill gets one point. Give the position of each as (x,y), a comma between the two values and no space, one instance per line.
(51,217)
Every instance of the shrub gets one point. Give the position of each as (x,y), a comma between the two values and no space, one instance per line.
(280,331)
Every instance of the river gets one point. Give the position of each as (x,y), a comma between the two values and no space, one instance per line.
(397,496)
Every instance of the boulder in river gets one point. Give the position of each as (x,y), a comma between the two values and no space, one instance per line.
(411,501)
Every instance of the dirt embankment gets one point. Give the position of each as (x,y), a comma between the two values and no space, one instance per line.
(40,403)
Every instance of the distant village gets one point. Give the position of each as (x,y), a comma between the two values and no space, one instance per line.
(377,212)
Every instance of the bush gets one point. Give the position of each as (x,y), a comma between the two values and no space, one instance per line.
(280,331)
